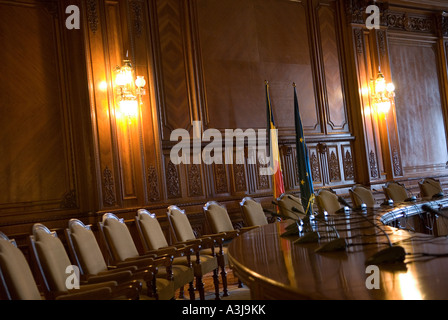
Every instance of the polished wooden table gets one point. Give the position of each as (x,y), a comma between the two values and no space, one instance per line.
(276,267)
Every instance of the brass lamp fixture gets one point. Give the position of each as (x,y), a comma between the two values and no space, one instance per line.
(129,91)
(382,94)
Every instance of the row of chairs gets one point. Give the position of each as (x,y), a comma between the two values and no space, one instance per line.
(156,274)
(395,192)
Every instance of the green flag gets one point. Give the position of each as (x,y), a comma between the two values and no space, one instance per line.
(303,162)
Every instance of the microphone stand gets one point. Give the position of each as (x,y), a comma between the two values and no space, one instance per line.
(388,255)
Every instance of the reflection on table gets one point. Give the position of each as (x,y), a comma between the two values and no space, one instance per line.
(275,266)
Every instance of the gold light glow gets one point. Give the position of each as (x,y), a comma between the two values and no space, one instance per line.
(382,94)
(129,91)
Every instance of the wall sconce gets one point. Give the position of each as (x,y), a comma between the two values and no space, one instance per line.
(129,91)
(382,94)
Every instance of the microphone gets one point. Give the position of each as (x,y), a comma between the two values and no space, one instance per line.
(410,199)
(429,209)
(387,202)
(388,255)
(438,195)
(346,205)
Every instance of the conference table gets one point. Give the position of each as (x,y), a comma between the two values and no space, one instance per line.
(281,265)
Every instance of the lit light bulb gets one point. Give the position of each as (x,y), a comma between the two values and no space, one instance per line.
(390,87)
(140,81)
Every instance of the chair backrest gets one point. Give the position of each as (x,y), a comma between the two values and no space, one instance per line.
(51,258)
(217,217)
(16,279)
(180,224)
(286,203)
(84,248)
(327,200)
(253,214)
(395,191)
(360,195)
(150,231)
(118,238)
(430,187)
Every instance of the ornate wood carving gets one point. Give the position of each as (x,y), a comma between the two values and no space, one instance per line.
(137,12)
(333,163)
(69,200)
(92,15)
(220,178)
(172,181)
(358,41)
(109,198)
(373,165)
(262,180)
(382,42)
(408,22)
(396,162)
(153,183)
(315,171)
(194,181)
(348,166)
(240,177)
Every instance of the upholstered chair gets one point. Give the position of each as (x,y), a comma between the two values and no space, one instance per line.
(154,242)
(327,201)
(286,203)
(430,188)
(52,261)
(123,251)
(17,281)
(252,212)
(85,251)
(395,191)
(361,195)
(206,259)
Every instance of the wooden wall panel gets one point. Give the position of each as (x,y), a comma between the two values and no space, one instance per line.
(244,43)
(334,95)
(174,106)
(39,109)
(418,102)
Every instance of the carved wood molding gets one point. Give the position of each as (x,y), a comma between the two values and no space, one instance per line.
(194,181)
(373,165)
(92,15)
(137,13)
(410,22)
(172,181)
(153,183)
(333,163)
(69,200)
(348,166)
(109,198)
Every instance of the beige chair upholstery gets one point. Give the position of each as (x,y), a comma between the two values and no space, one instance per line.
(217,217)
(206,259)
(361,195)
(16,279)
(85,250)
(430,188)
(123,251)
(286,203)
(52,261)
(253,214)
(327,201)
(154,241)
(395,191)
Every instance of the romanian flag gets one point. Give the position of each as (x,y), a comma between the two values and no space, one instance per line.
(303,162)
(277,175)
